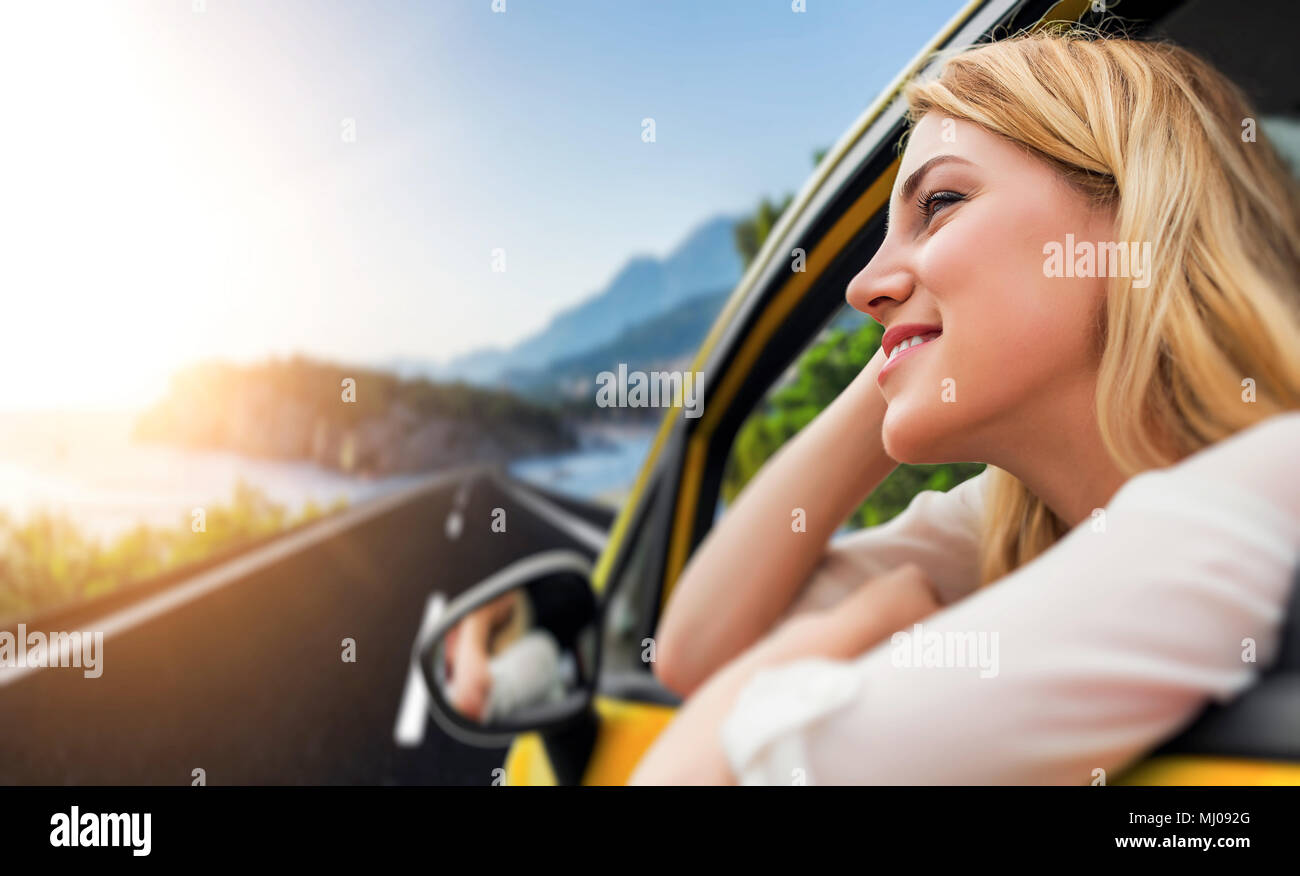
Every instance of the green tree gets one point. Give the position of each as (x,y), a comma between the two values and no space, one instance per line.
(751,231)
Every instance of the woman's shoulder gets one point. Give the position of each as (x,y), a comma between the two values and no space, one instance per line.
(1277,433)
(1257,464)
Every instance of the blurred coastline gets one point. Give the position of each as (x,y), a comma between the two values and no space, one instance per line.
(87,467)
(603,470)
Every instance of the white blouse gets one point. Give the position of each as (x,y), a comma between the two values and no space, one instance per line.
(1085,659)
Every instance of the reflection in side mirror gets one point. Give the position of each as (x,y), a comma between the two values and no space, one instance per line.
(518,651)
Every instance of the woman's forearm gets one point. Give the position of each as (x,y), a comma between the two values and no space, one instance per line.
(751,565)
(690,750)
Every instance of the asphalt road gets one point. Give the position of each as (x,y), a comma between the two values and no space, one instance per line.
(247,682)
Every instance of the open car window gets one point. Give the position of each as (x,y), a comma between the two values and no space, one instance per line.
(1245,43)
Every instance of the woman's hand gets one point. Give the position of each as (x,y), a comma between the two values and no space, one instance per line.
(467,648)
(899,597)
(471,682)
(880,607)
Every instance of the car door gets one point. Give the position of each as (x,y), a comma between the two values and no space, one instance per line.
(789,299)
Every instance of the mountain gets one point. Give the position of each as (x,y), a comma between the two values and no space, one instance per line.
(644,288)
(665,342)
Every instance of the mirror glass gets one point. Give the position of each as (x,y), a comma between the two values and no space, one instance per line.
(521,658)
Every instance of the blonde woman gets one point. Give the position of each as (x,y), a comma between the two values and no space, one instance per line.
(1126,557)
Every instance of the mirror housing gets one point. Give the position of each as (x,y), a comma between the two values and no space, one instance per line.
(518,652)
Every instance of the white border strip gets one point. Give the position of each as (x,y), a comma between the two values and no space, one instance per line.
(592,536)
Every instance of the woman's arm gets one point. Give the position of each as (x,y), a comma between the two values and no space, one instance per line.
(750,566)
(690,750)
(467,649)
(1083,660)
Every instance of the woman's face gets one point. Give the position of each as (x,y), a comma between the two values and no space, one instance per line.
(1008,350)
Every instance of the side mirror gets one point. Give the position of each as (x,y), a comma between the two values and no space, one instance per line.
(516,652)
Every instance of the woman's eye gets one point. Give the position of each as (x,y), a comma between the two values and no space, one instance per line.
(930,202)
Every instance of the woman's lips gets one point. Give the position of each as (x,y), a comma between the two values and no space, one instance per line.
(927,339)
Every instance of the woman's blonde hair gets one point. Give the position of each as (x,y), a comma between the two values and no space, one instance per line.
(1160,135)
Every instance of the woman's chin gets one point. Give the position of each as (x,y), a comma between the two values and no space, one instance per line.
(913,437)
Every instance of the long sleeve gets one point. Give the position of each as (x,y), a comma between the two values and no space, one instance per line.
(1088,657)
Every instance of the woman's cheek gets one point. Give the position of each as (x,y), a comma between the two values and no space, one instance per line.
(928,411)
(989,304)
(971,243)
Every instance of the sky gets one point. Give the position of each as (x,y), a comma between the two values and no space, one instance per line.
(188,179)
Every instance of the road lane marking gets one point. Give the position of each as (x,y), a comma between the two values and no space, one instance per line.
(592,536)
(455,523)
(247,564)
(455,519)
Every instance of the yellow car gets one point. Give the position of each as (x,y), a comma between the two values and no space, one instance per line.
(596,707)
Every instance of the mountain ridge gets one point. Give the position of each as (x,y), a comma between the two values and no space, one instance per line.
(643,288)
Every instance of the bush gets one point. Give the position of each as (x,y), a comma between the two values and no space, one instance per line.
(47,561)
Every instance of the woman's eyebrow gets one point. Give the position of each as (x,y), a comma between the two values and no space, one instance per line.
(914,179)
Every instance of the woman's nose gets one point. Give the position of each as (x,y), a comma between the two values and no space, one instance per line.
(880,286)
